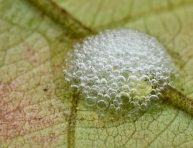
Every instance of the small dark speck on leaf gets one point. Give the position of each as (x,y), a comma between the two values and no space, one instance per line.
(45,89)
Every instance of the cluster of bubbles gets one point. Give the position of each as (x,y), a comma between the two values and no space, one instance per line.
(119,70)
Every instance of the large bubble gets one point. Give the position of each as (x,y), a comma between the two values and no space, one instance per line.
(119,70)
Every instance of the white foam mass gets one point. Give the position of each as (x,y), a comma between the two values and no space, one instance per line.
(119,70)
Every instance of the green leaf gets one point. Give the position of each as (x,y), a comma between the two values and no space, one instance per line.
(100,14)
(36,109)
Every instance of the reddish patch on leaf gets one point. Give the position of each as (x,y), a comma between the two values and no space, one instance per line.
(30,54)
(20,117)
(11,119)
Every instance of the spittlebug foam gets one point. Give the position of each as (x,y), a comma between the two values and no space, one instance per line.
(119,70)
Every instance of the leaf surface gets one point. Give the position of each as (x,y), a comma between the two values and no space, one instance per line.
(36,108)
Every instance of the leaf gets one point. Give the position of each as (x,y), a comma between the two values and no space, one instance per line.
(35,106)
(105,13)
(31,113)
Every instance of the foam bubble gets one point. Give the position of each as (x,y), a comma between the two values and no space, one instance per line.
(119,69)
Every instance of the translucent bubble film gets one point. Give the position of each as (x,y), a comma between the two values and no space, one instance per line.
(119,70)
